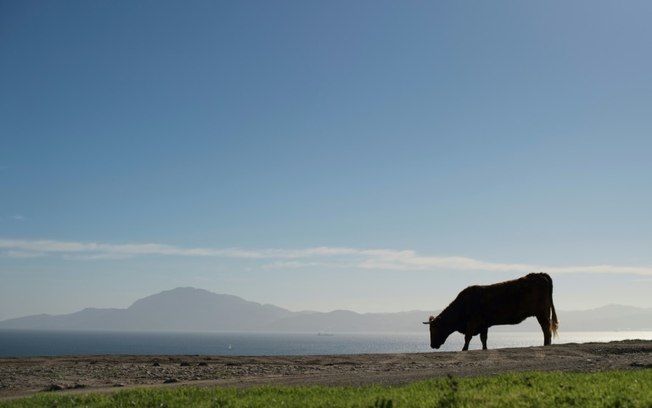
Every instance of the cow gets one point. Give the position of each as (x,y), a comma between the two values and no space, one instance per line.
(477,308)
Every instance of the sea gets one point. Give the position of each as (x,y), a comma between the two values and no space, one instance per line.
(31,343)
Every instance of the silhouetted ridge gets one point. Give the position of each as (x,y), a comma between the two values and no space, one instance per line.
(191,309)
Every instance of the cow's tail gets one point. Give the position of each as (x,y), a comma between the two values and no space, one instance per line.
(554,323)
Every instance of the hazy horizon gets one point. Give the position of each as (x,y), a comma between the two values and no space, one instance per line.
(372,156)
(197,310)
(426,311)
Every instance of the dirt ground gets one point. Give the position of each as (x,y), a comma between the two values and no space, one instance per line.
(26,376)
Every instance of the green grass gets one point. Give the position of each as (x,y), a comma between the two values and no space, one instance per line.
(605,389)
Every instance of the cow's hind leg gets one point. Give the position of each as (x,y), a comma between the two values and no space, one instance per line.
(483,338)
(545,327)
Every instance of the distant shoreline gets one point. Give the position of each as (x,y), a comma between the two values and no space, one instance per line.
(74,343)
(29,375)
(198,310)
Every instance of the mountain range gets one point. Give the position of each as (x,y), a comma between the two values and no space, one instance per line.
(198,310)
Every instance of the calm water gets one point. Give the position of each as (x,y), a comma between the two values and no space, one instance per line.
(19,343)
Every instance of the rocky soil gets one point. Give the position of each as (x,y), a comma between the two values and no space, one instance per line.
(26,376)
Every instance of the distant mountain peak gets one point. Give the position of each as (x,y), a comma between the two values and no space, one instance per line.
(194,309)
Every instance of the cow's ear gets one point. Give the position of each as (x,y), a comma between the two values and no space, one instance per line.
(432,318)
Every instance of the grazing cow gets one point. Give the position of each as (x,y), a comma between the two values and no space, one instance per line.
(477,308)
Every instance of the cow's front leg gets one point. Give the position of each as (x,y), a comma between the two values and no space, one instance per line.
(483,338)
(467,340)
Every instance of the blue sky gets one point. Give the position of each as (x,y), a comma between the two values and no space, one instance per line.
(368,155)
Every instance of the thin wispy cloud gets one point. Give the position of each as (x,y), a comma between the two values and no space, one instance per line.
(80,248)
(294,265)
(334,257)
(23,254)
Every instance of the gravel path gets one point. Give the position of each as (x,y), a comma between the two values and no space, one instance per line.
(26,376)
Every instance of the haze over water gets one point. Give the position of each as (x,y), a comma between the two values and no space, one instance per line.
(16,343)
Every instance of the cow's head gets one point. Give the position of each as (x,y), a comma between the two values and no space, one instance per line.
(438,332)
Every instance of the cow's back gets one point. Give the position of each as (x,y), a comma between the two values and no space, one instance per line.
(509,302)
